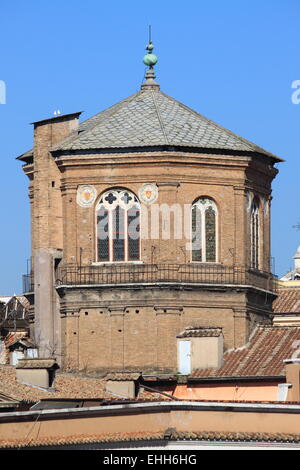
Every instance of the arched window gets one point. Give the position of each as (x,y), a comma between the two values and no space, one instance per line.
(118,226)
(254,234)
(204,230)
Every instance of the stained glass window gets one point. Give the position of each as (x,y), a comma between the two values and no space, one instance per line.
(118,234)
(118,227)
(210,232)
(204,231)
(103,241)
(254,232)
(133,215)
(197,235)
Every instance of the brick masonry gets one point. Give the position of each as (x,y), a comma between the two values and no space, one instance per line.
(101,329)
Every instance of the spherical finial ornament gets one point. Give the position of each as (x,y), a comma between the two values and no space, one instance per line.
(150,60)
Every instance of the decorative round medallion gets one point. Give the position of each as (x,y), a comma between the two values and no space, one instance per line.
(148,193)
(86,195)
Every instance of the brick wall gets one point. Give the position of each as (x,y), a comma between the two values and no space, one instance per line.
(126,329)
(120,337)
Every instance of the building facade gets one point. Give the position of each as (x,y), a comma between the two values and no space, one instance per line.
(146,219)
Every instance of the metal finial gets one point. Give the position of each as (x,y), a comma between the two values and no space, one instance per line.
(150,60)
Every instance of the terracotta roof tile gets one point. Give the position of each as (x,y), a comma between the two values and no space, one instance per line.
(66,385)
(262,357)
(14,336)
(201,332)
(36,363)
(167,435)
(123,376)
(288,300)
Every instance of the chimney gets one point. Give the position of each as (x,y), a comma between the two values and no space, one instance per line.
(53,131)
(36,372)
(292,374)
(200,348)
(123,384)
(47,232)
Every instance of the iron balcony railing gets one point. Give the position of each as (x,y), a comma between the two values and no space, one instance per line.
(164,273)
(28,283)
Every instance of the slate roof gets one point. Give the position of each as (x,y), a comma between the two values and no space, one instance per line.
(263,356)
(152,118)
(288,300)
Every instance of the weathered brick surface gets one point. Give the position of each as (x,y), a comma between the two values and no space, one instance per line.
(121,329)
(124,329)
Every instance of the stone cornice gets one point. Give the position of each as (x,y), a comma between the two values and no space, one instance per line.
(73,183)
(147,158)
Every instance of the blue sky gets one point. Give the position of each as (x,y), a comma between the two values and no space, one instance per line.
(232,61)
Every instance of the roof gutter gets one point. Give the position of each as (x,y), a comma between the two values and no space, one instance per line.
(134,408)
(253,378)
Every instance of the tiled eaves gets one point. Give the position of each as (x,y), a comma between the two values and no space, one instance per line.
(262,357)
(200,332)
(288,300)
(150,118)
(66,386)
(139,437)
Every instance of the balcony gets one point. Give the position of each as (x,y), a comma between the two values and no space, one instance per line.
(74,275)
(28,283)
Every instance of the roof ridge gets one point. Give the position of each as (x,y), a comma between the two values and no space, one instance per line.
(159,118)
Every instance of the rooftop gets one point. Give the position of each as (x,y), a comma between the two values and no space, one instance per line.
(288,300)
(151,118)
(168,435)
(200,332)
(66,385)
(263,356)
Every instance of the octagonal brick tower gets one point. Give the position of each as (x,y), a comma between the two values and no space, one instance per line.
(119,303)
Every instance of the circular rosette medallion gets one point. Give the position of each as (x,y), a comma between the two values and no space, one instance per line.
(148,193)
(86,195)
